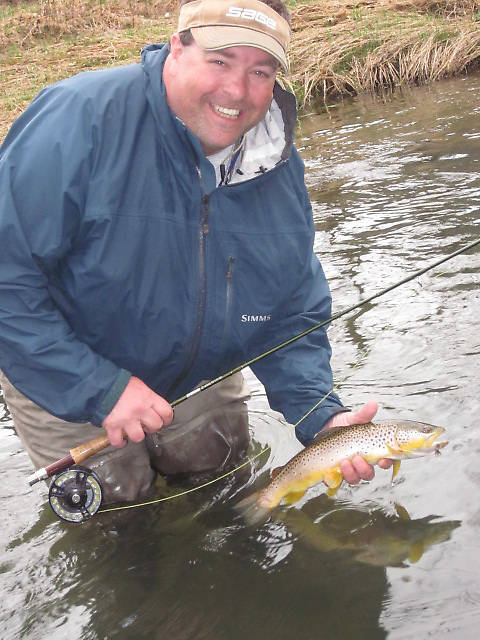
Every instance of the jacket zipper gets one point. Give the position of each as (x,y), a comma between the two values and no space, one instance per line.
(202,234)
(228,301)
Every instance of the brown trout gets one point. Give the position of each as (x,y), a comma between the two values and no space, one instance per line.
(394,439)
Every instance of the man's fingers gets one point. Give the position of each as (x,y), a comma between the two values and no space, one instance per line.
(359,469)
(385,463)
(116,437)
(151,421)
(364,414)
(163,409)
(364,470)
(356,469)
(135,432)
(349,473)
(138,410)
(348,418)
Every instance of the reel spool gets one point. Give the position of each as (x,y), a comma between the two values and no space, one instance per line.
(75,494)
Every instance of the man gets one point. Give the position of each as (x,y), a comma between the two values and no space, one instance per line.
(156,232)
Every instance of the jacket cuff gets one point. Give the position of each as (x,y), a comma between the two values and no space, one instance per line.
(111,397)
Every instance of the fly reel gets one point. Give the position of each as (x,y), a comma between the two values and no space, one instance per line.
(75,494)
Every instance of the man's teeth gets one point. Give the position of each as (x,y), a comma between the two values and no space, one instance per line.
(230,113)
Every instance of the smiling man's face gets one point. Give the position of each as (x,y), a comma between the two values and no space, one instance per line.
(221,94)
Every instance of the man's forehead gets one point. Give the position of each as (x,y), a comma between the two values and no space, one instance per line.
(259,56)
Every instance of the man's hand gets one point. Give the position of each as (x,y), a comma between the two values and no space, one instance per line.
(357,469)
(138,411)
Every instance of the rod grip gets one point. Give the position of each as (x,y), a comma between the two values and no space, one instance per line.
(87,449)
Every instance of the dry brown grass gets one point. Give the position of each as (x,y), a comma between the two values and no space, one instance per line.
(339,46)
(58,19)
(42,41)
(347,48)
(450,8)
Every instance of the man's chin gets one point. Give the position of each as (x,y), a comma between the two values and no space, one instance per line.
(211,147)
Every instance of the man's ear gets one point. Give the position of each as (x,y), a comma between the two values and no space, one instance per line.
(170,68)
(176,46)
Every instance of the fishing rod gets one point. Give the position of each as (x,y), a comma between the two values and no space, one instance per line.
(75,493)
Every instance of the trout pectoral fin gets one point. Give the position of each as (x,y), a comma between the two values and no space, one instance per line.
(394,452)
(395,468)
(294,496)
(416,552)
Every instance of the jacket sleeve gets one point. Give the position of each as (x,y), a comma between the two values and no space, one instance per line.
(44,171)
(299,376)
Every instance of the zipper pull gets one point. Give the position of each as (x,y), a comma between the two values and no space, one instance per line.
(230,268)
(205,211)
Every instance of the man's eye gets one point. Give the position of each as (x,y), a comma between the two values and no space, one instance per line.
(263,74)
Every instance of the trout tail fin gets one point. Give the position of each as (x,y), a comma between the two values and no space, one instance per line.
(251,511)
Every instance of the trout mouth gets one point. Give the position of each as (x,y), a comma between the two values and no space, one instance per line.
(430,445)
(422,447)
(436,446)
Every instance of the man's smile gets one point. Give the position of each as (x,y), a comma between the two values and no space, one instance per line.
(225,111)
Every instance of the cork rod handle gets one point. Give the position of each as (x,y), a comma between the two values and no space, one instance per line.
(87,449)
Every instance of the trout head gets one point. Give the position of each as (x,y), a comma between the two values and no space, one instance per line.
(415,439)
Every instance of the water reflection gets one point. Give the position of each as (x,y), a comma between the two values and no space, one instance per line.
(370,535)
(198,577)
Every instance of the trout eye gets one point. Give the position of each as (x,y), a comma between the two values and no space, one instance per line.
(426,429)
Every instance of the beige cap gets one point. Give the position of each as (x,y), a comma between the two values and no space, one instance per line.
(218,24)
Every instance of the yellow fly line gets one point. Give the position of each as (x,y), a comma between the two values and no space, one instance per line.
(191,490)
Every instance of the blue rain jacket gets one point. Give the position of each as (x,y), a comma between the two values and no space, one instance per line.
(119,255)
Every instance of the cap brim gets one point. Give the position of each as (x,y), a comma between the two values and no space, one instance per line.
(213,38)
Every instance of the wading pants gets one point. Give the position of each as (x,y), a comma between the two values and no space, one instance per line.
(209,432)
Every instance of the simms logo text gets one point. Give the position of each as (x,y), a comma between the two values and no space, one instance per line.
(251,14)
(246,318)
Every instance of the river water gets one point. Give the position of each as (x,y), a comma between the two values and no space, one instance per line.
(395,184)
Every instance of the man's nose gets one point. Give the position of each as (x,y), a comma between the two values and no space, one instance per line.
(236,85)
